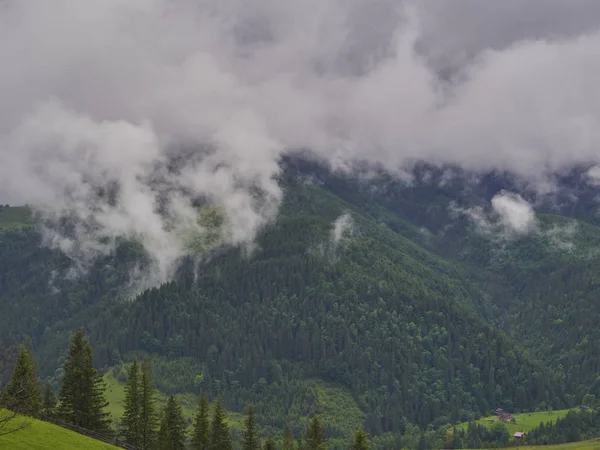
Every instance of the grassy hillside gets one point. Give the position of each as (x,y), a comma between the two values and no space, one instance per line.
(524,421)
(593,444)
(40,435)
(115,395)
(14,217)
(337,407)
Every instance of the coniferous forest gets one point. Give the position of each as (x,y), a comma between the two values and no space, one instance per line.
(408,322)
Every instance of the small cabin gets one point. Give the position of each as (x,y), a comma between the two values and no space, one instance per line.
(520,435)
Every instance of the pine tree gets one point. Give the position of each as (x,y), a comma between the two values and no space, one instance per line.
(269,445)
(315,438)
(456,439)
(288,438)
(201,437)
(148,417)
(23,394)
(171,435)
(300,444)
(131,421)
(422,445)
(361,441)
(219,431)
(82,400)
(48,402)
(250,435)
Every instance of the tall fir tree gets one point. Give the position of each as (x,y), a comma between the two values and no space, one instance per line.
(48,402)
(361,441)
(171,435)
(300,444)
(132,418)
(250,434)
(148,416)
(270,444)
(219,431)
(315,437)
(23,394)
(201,436)
(82,400)
(422,445)
(288,438)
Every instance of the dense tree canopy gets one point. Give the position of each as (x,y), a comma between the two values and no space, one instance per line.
(410,316)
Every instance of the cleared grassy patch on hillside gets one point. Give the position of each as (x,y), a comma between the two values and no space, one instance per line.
(40,435)
(524,421)
(115,395)
(339,409)
(15,217)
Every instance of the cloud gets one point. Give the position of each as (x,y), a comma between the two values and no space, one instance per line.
(341,226)
(125,114)
(593,175)
(516,214)
(510,216)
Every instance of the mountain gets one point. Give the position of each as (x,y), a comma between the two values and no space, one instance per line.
(368,300)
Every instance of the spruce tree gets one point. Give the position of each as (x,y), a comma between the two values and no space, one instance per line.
(131,421)
(82,400)
(219,431)
(288,438)
(201,437)
(250,435)
(361,441)
(148,416)
(270,445)
(48,402)
(171,435)
(422,445)
(23,394)
(315,437)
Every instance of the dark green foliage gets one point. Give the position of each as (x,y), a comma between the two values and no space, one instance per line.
(148,416)
(575,426)
(23,394)
(589,400)
(219,430)
(315,437)
(48,402)
(422,443)
(132,418)
(288,438)
(361,441)
(82,400)
(171,435)
(269,444)
(457,441)
(477,436)
(201,436)
(250,435)
(416,316)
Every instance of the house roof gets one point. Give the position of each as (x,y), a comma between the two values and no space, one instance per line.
(519,434)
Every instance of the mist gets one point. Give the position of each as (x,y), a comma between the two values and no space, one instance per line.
(123,114)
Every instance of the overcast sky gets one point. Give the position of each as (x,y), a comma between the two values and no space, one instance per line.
(469,25)
(110,92)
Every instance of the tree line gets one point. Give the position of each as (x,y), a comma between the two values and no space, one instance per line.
(81,405)
(381,317)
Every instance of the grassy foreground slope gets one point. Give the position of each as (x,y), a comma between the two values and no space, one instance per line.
(593,444)
(42,435)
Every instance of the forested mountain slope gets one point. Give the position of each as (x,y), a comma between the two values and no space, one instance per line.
(370,288)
